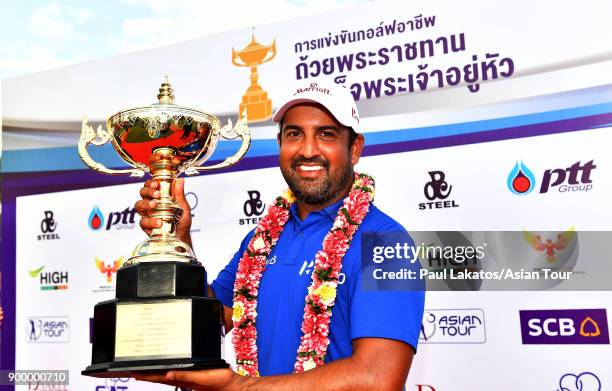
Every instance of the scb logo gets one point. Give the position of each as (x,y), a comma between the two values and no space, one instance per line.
(583,326)
(114,384)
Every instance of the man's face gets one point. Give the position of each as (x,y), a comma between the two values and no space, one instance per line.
(316,159)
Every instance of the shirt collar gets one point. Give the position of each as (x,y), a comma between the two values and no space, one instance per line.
(330,212)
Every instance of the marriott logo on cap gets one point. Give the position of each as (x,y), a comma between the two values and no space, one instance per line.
(313,87)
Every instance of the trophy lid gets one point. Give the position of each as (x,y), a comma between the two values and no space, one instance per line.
(138,131)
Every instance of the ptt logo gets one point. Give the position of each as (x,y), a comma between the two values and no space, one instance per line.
(48,329)
(114,384)
(50,280)
(453,326)
(576,177)
(124,219)
(579,326)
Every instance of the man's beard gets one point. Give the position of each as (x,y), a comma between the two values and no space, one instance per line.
(317,192)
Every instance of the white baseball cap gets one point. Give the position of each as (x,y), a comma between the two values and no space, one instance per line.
(337,99)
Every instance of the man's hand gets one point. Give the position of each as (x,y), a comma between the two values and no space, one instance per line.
(150,194)
(208,379)
(376,364)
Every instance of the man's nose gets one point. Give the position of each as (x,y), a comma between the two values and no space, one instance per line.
(310,147)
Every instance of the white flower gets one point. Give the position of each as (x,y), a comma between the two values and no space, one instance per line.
(308,365)
(258,244)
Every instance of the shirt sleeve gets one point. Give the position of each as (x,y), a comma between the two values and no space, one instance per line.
(385,311)
(223,285)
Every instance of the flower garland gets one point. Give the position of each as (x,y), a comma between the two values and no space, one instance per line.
(321,295)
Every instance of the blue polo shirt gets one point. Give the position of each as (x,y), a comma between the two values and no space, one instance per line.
(357,312)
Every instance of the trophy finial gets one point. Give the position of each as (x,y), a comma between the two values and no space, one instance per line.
(166,94)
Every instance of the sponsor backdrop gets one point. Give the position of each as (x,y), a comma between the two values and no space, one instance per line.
(474,120)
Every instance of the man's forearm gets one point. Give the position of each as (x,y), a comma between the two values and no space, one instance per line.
(345,374)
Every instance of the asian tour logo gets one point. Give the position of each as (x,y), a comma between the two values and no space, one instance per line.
(575,326)
(453,326)
(50,280)
(48,329)
(124,219)
(576,177)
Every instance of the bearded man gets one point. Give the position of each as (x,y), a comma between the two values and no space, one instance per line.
(295,330)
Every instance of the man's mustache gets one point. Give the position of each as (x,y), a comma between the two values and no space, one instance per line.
(314,161)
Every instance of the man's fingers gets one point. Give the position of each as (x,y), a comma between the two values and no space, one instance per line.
(179,190)
(151,183)
(149,193)
(208,377)
(147,224)
(163,378)
(144,207)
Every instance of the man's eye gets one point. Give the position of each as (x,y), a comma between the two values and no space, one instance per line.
(327,134)
(292,133)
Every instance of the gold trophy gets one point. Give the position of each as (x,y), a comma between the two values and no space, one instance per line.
(161,318)
(255,101)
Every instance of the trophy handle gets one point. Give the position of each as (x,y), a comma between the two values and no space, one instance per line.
(227,132)
(272,50)
(88,136)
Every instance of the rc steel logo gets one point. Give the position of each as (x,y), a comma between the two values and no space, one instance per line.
(48,329)
(437,190)
(48,225)
(124,219)
(576,177)
(450,326)
(50,281)
(252,208)
(585,381)
(580,326)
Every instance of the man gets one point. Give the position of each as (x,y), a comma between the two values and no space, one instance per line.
(369,341)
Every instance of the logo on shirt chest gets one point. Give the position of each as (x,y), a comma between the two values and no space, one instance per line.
(308,267)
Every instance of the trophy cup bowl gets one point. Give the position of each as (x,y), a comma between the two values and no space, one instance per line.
(161,317)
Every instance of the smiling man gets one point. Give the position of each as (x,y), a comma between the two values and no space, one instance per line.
(305,321)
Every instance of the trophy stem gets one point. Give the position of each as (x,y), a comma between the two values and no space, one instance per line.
(163,170)
(163,245)
(254,77)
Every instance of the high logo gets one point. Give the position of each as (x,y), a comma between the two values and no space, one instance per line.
(581,326)
(48,329)
(437,190)
(48,225)
(252,208)
(49,281)
(453,326)
(124,219)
